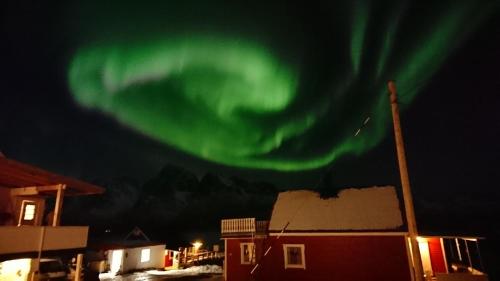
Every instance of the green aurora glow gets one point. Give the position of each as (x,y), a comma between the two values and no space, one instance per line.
(233,101)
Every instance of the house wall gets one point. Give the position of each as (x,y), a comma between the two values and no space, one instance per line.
(39,212)
(235,270)
(26,239)
(132,258)
(367,258)
(7,216)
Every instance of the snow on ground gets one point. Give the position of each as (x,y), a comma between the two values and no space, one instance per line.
(190,271)
(147,275)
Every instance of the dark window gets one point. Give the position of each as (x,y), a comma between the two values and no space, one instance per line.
(294,255)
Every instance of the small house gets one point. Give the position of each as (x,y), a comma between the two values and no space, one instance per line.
(134,252)
(128,256)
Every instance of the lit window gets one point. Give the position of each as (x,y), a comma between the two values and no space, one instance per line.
(247,253)
(294,256)
(145,253)
(29,211)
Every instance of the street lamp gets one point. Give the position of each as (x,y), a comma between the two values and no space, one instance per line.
(197,245)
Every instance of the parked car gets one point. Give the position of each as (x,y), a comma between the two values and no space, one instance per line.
(52,269)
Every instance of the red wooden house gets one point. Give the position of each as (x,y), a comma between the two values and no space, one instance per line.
(359,235)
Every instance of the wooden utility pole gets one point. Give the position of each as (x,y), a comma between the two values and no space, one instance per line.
(405,183)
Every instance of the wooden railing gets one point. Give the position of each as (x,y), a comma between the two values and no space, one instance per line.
(21,239)
(233,226)
(243,226)
(194,258)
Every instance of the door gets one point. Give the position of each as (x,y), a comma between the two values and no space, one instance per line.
(116,261)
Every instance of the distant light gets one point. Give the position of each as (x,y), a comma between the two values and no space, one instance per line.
(197,245)
(107,230)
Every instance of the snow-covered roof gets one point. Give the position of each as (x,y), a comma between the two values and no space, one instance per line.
(373,208)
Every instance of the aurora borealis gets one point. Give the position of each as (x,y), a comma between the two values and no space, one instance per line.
(84,84)
(234,100)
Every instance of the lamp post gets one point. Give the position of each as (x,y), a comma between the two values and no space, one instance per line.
(405,183)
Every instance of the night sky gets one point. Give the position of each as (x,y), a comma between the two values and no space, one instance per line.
(177,107)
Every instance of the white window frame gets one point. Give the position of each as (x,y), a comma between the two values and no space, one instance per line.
(251,249)
(302,252)
(22,217)
(145,255)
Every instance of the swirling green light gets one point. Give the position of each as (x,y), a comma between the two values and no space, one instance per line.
(232,101)
(216,98)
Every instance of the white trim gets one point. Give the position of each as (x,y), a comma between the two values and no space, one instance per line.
(249,236)
(24,204)
(458,249)
(339,234)
(470,238)
(443,252)
(251,250)
(225,259)
(410,258)
(302,253)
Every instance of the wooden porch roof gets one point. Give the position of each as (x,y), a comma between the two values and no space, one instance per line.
(14,174)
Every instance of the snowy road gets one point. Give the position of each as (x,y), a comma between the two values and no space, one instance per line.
(148,277)
(195,273)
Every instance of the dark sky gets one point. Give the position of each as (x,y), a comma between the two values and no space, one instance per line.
(450,117)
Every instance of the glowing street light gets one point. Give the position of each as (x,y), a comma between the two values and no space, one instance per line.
(197,245)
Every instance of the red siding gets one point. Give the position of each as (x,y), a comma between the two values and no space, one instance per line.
(367,258)
(168,261)
(436,253)
(235,270)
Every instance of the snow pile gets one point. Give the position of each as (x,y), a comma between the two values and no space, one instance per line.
(190,271)
(146,275)
(372,208)
(107,275)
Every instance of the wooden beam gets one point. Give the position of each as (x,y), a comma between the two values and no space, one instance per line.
(24,191)
(54,187)
(78,271)
(58,205)
(34,190)
(14,174)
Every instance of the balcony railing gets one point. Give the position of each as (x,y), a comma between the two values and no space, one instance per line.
(244,226)
(24,239)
